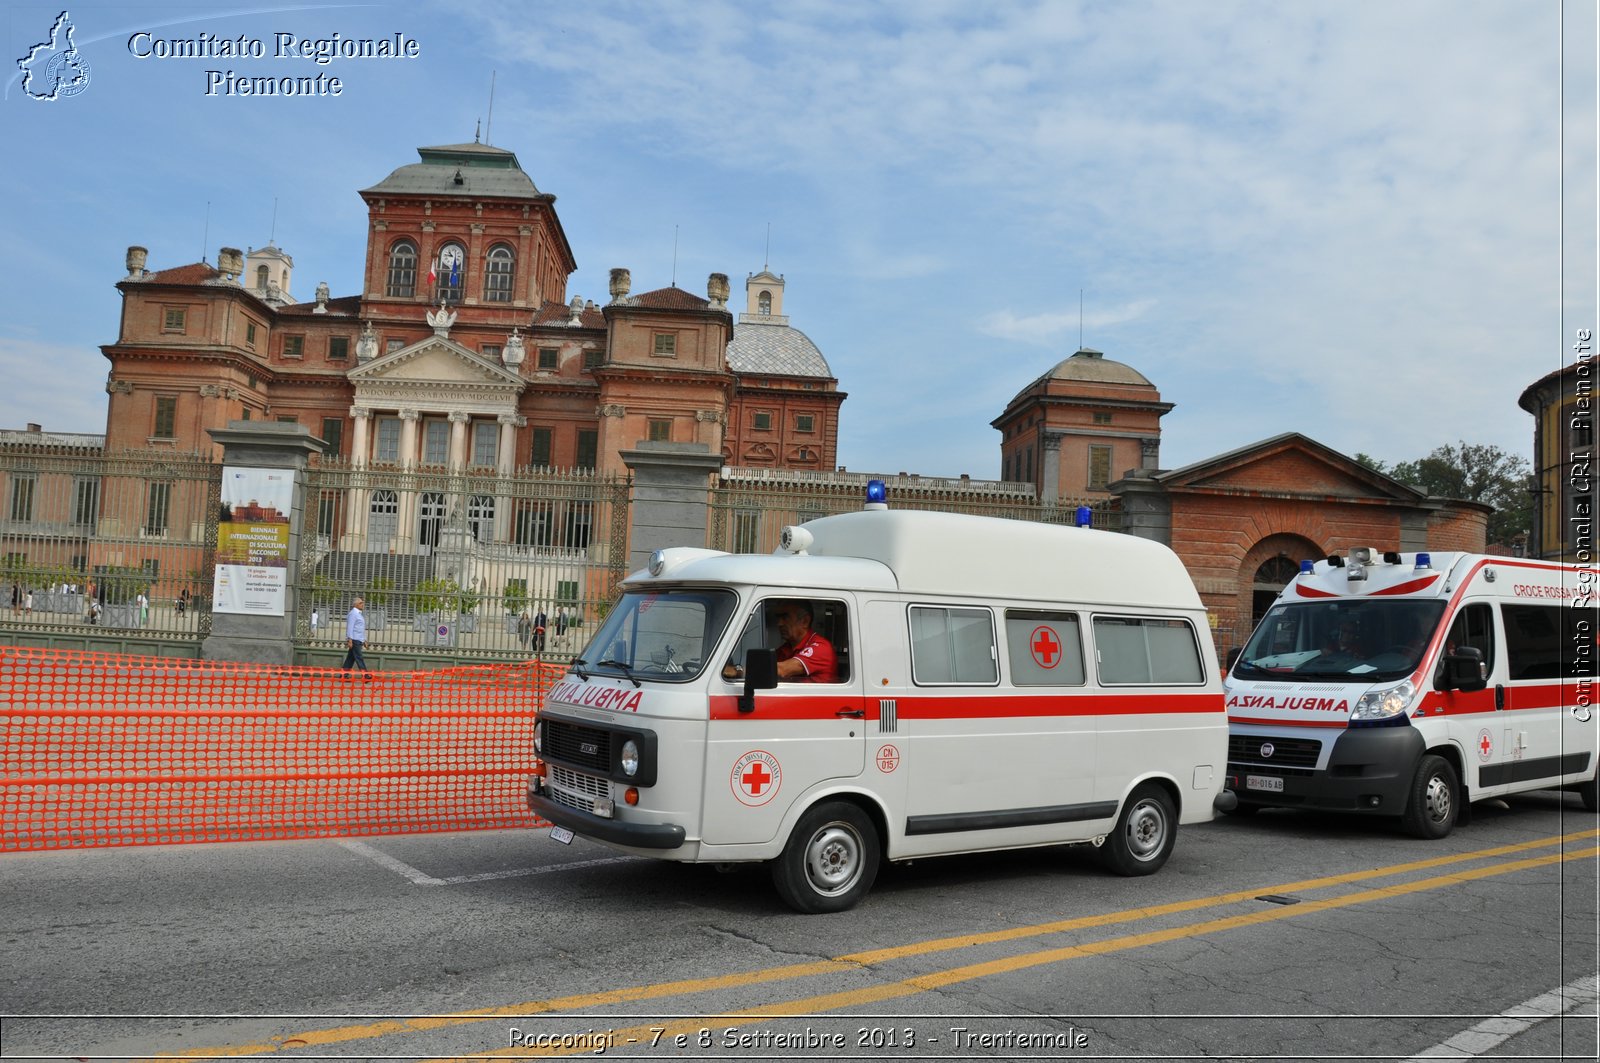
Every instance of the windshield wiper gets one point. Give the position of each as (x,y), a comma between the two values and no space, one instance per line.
(578,664)
(608,662)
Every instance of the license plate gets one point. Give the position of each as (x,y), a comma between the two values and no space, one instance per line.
(564,836)
(1263,782)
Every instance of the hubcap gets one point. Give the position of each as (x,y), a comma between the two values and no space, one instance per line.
(1438,801)
(1147,830)
(833,859)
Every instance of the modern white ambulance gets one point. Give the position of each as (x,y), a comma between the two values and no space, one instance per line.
(999,684)
(1410,685)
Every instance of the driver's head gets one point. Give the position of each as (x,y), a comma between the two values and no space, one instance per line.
(794,620)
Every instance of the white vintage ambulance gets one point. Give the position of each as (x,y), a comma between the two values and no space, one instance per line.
(994,684)
(1410,685)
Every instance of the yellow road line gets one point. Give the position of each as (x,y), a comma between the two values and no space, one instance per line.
(848,962)
(830,1002)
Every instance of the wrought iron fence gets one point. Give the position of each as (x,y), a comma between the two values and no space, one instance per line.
(461,564)
(751,507)
(120,543)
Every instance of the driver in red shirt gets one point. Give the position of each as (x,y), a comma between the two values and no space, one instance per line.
(805,656)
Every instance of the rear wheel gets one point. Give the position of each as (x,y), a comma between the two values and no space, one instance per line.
(1145,833)
(1435,799)
(830,861)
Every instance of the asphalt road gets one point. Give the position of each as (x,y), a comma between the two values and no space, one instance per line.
(1279,936)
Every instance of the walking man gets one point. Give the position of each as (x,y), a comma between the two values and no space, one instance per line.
(356,637)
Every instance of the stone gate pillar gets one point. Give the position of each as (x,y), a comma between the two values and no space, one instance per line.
(264,445)
(671,497)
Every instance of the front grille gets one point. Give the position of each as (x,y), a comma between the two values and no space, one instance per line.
(1286,752)
(586,747)
(576,789)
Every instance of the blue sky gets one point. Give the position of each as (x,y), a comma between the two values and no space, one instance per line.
(1343,219)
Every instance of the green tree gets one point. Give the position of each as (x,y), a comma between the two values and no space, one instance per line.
(1477,472)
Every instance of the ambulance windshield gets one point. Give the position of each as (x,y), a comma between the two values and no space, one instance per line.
(1367,640)
(658,636)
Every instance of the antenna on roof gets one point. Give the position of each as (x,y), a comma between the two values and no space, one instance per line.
(476,129)
(206,239)
(674,256)
(1080,319)
(766,254)
(489,129)
(273,232)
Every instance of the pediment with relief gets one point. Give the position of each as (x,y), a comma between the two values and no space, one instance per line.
(435,362)
(1289,464)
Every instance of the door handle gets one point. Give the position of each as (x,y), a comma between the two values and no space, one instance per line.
(1499,696)
(855,714)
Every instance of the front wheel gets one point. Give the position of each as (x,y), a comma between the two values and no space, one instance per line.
(830,861)
(1434,804)
(1145,833)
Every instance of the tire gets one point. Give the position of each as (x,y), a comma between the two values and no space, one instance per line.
(830,861)
(1590,792)
(1146,831)
(1435,799)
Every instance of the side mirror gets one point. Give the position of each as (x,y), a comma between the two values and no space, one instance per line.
(760,673)
(1463,670)
(1233,657)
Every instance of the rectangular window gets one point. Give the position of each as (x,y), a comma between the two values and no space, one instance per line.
(388,441)
(531,523)
(174,319)
(327,513)
(250,334)
(157,504)
(1102,417)
(593,359)
(435,442)
(580,523)
(1044,648)
(548,357)
(540,453)
(166,417)
(567,591)
(294,346)
(1099,468)
(1138,649)
(287,418)
(390,346)
(332,435)
(588,448)
(338,348)
(660,430)
(22,488)
(245,414)
(86,501)
(491,351)
(804,422)
(485,443)
(762,422)
(666,345)
(951,646)
(746,531)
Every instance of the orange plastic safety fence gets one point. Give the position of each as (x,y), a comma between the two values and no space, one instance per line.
(103,749)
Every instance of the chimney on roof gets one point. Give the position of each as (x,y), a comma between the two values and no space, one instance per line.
(35,428)
(621,281)
(135,261)
(717,289)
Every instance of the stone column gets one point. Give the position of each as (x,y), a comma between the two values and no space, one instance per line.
(361,435)
(671,497)
(509,423)
(264,445)
(358,498)
(458,440)
(409,457)
(1050,459)
(405,532)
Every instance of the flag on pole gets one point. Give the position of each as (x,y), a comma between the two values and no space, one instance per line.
(455,273)
(433,272)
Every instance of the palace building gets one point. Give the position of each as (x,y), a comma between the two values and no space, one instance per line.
(463,350)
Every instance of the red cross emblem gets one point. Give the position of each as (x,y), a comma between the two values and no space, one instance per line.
(1045,647)
(1485,745)
(756,778)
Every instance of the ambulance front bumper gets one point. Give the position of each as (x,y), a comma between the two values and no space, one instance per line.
(1368,770)
(600,828)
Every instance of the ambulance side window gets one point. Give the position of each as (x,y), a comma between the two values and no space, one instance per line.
(1044,648)
(951,645)
(1474,627)
(1533,641)
(1146,649)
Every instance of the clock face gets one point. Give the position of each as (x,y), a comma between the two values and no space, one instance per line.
(450,257)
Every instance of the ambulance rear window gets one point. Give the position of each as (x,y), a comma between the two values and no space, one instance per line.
(1140,649)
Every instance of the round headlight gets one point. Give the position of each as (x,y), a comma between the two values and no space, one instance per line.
(538,736)
(630,757)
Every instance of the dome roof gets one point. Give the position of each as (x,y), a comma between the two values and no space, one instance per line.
(1091,365)
(775,349)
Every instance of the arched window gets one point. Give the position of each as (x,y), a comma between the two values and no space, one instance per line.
(480,517)
(450,274)
(499,274)
(402,270)
(1274,574)
(764,303)
(261,278)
